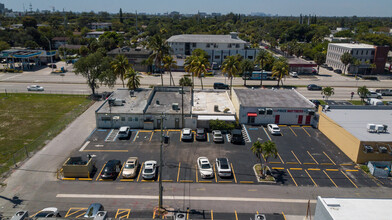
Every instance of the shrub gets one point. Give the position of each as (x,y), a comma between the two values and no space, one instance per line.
(221,125)
(365,168)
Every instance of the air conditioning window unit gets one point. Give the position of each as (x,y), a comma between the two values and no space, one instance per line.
(368,149)
(371,128)
(383,149)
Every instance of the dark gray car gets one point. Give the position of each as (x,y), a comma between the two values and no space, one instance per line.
(93,209)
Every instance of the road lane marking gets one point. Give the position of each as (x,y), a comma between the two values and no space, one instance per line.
(296,157)
(312,157)
(330,179)
(212,215)
(349,179)
(329,158)
(100,172)
(140,171)
(178,174)
(84,146)
(122,211)
(311,178)
(280,158)
(105,151)
(267,134)
(293,131)
(306,131)
(232,168)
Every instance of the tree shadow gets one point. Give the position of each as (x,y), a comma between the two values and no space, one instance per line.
(14,200)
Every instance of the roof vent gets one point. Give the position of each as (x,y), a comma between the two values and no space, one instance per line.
(175,106)
(234,35)
(157,102)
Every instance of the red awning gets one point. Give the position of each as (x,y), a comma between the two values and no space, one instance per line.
(252,114)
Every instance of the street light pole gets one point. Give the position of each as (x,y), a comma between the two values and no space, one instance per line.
(50,48)
(160,167)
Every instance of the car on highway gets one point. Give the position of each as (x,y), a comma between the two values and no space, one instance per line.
(186,134)
(111,170)
(201,134)
(373,94)
(205,167)
(217,136)
(221,86)
(273,129)
(314,87)
(51,212)
(223,167)
(131,167)
(35,88)
(236,136)
(329,68)
(384,92)
(124,133)
(149,170)
(93,209)
(294,74)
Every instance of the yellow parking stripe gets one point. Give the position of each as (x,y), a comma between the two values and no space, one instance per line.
(351,170)
(146,131)
(280,158)
(148,181)
(197,178)
(314,169)
(267,134)
(178,174)
(212,215)
(275,162)
(69,214)
(225,181)
(277,168)
(232,169)
(311,178)
(284,216)
(127,180)
(330,179)
(329,158)
(306,126)
(295,168)
(186,181)
(169,181)
(86,179)
(295,126)
(247,182)
(326,164)
(180,135)
(69,178)
(296,157)
(100,172)
(187,214)
(140,172)
(205,181)
(152,133)
(349,179)
(292,177)
(293,131)
(309,163)
(215,173)
(235,213)
(80,215)
(306,132)
(122,211)
(136,136)
(121,170)
(312,157)
(291,162)
(332,169)
(153,214)
(346,164)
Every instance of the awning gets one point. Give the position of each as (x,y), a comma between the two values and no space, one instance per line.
(252,114)
(215,117)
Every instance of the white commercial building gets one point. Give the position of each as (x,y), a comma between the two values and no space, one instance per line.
(216,46)
(352,208)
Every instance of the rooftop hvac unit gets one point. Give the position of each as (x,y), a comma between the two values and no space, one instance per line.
(371,128)
(118,102)
(260,217)
(383,149)
(101,215)
(216,108)
(175,106)
(180,216)
(368,149)
(379,128)
(132,93)
(157,102)
(20,215)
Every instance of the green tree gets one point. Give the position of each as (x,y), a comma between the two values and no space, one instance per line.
(29,21)
(231,66)
(121,16)
(200,52)
(356,62)
(120,66)
(188,66)
(199,67)
(160,49)
(96,69)
(264,150)
(83,51)
(185,81)
(133,79)
(362,92)
(327,91)
(168,64)
(319,58)
(346,59)
(261,57)
(247,67)
(4,45)
(31,44)
(280,70)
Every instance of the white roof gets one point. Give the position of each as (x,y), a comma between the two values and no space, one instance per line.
(205,101)
(215,117)
(354,46)
(205,38)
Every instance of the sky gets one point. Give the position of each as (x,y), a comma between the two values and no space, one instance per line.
(360,8)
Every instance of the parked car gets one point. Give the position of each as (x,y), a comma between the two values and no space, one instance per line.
(111,169)
(35,88)
(124,133)
(223,167)
(205,167)
(149,170)
(51,212)
(93,209)
(236,136)
(293,74)
(384,92)
(324,65)
(329,68)
(186,134)
(316,102)
(217,136)
(389,103)
(131,167)
(373,94)
(273,129)
(201,134)
(314,87)
(374,101)
(338,71)
(221,86)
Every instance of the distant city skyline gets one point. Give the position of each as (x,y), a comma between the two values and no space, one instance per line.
(361,8)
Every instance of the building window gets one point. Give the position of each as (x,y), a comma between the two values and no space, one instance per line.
(357,52)
(129,118)
(122,118)
(371,61)
(215,45)
(229,45)
(136,119)
(193,44)
(224,57)
(217,57)
(105,118)
(367,52)
(250,57)
(208,45)
(362,52)
(237,46)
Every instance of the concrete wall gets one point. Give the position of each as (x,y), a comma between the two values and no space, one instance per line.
(107,121)
(321,212)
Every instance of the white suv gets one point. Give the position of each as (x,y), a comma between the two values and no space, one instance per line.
(373,94)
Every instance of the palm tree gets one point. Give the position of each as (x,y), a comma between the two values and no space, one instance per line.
(280,69)
(133,79)
(168,64)
(160,49)
(346,59)
(362,92)
(185,81)
(188,66)
(319,58)
(247,67)
(231,66)
(119,66)
(356,63)
(261,57)
(264,150)
(199,67)
(327,91)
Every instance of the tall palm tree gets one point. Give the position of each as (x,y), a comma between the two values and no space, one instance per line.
(168,64)
(188,66)
(247,67)
(280,69)
(356,63)
(231,66)
(185,81)
(261,57)
(264,150)
(133,79)
(199,67)
(160,49)
(327,91)
(120,66)
(362,92)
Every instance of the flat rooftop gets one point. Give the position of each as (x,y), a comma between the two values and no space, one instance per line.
(205,100)
(166,100)
(205,38)
(133,104)
(347,208)
(354,46)
(272,98)
(355,121)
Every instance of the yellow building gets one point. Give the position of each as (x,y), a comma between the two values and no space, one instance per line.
(361,132)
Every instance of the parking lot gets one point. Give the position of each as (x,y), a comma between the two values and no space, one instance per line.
(305,157)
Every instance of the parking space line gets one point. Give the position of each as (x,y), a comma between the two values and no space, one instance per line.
(136,136)
(153,214)
(85,179)
(84,146)
(69,214)
(111,131)
(121,170)
(293,131)
(288,171)
(208,137)
(186,181)
(277,168)
(212,215)
(180,135)
(235,213)
(100,172)
(306,126)
(306,131)
(309,163)
(105,151)
(284,216)
(291,162)
(152,133)
(267,134)
(122,211)
(65,178)
(187,214)
(225,181)
(168,181)
(235,179)
(312,157)
(247,182)
(295,168)
(349,179)
(326,164)
(351,170)
(330,179)
(296,157)
(34,214)
(280,158)
(140,171)
(127,180)
(215,173)
(311,178)
(80,215)
(332,169)
(205,181)
(346,164)
(275,162)
(329,158)
(314,169)
(197,178)
(178,174)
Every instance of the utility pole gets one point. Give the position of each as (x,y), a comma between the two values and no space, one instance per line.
(50,49)
(182,106)
(160,167)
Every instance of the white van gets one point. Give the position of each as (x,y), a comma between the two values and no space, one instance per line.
(375,102)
